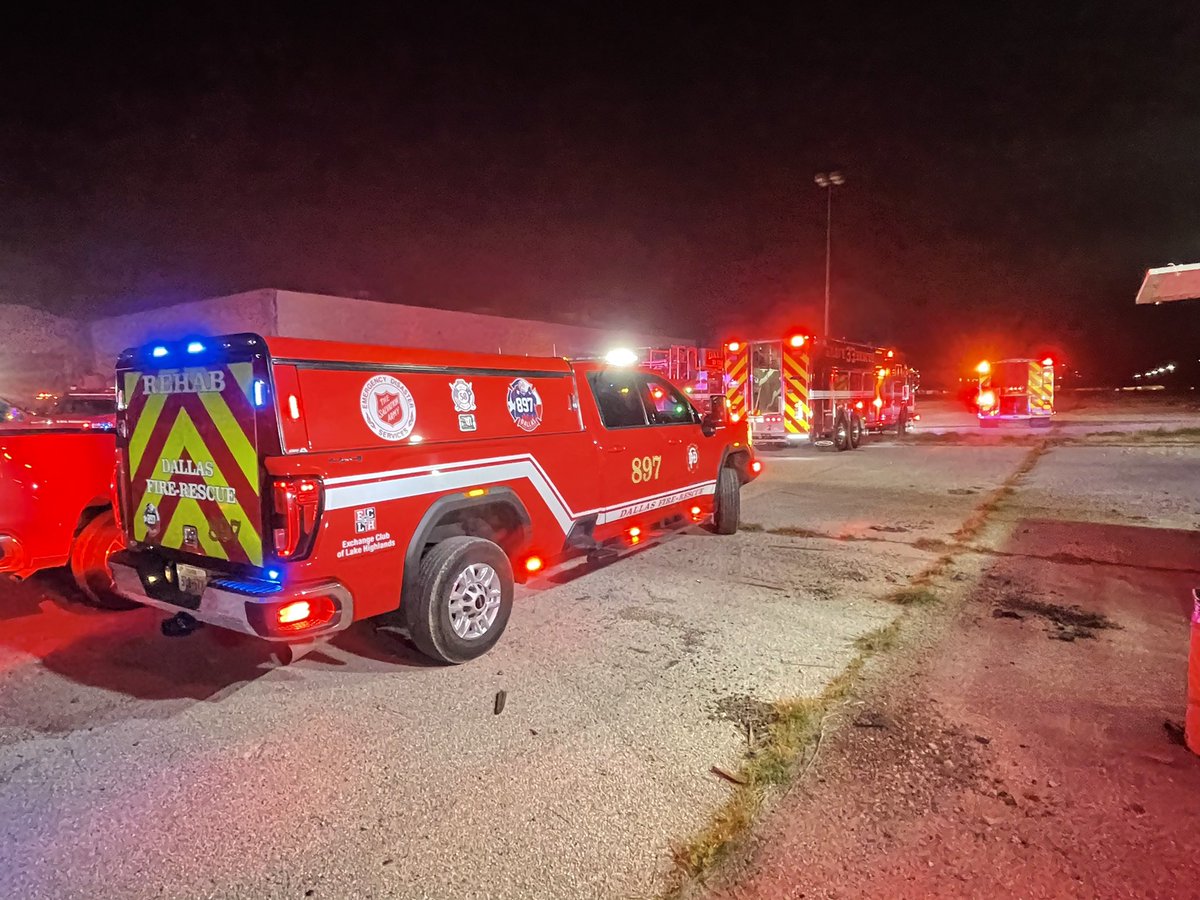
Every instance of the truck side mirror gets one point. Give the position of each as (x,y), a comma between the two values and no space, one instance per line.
(708,425)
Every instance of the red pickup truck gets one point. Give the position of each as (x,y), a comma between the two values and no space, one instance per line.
(56,504)
(285,488)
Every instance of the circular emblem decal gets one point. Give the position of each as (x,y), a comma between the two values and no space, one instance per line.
(524,404)
(693,458)
(387,408)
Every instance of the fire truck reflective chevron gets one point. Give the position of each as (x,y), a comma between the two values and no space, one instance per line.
(796,414)
(193,461)
(737,368)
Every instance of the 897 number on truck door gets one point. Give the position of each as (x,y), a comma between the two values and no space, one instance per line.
(646,468)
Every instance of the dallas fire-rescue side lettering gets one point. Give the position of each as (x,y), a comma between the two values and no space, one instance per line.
(215,492)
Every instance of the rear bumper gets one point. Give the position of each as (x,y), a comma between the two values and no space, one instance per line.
(224,606)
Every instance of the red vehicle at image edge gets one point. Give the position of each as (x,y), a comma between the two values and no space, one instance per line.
(285,488)
(56,508)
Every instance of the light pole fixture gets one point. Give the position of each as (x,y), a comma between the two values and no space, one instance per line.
(828,180)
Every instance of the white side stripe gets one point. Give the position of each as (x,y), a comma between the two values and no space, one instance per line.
(443,480)
(380,487)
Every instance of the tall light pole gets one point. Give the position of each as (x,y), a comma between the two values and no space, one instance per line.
(828,180)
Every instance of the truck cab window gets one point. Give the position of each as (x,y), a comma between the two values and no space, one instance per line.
(665,404)
(618,397)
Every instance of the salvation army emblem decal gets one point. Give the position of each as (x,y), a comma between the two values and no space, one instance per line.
(387,407)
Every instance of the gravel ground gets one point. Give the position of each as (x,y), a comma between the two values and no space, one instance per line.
(1018,747)
(135,766)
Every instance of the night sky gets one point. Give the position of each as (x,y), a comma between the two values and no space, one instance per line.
(1010,175)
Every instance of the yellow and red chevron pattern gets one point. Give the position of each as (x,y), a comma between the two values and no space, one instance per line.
(796,413)
(193,466)
(1041,387)
(737,370)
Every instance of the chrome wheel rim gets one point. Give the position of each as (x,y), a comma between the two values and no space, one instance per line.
(474,601)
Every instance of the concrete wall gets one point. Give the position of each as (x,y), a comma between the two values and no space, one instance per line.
(252,311)
(397,325)
(39,351)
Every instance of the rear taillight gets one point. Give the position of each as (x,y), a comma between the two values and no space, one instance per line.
(297,508)
(301,615)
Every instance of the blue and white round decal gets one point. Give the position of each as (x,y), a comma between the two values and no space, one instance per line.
(524,404)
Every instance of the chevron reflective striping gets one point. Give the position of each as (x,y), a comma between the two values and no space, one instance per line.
(795,377)
(193,464)
(737,365)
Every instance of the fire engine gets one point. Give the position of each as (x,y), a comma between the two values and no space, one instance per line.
(698,371)
(826,391)
(1015,390)
(285,488)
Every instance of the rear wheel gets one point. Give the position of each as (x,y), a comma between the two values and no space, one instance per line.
(856,432)
(841,434)
(902,423)
(463,599)
(96,541)
(728,511)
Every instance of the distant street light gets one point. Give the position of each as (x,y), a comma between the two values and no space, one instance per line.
(828,180)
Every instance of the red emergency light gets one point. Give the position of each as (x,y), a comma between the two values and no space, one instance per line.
(798,340)
(1048,361)
(300,615)
(733,346)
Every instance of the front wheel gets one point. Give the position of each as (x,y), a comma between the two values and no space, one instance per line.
(728,511)
(463,599)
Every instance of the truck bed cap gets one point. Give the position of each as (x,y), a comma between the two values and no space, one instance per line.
(302,349)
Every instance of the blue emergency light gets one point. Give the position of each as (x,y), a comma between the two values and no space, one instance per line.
(158,352)
(195,347)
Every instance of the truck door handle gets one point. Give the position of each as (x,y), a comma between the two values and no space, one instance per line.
(674,440)
(616,449)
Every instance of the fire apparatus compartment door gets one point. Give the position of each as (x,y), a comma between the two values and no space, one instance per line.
(767,372)
(192,480)
(1011,378)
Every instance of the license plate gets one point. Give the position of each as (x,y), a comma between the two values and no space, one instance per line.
(191,579)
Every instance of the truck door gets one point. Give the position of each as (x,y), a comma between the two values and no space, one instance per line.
(632,450)
(688,457)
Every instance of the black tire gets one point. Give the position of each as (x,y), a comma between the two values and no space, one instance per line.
(841,433)
(727,513)
(428,610)
(89,563)
(856,432)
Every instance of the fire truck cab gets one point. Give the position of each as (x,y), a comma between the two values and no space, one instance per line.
(827,392)
(1015,390)
(286,488)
